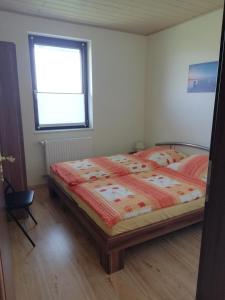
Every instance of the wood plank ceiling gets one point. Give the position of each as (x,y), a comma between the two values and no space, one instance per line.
(134,16)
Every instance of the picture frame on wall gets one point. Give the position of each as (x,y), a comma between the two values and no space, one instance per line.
(202,78)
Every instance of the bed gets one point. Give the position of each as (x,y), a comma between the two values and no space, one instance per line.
(138,205)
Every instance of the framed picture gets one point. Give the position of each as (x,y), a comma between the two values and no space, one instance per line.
(202,78)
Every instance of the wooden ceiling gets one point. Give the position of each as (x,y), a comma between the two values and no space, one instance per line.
(135,16)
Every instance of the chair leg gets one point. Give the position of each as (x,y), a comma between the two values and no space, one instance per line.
(30,214)
(21,227)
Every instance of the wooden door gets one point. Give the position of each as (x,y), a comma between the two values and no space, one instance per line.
(211,280)
(11,135)
(6,276)
(11,144)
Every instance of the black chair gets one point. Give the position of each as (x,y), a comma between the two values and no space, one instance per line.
(18,200)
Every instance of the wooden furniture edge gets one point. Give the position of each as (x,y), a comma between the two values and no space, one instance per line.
(112,248)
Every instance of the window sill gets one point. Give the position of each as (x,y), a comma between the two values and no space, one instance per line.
(63,130)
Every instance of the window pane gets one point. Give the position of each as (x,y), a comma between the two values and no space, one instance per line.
(58,69)
(59,109)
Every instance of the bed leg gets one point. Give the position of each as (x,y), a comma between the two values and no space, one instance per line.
(113,261)
(51,191)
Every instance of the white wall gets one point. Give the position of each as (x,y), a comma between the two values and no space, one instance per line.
(119,78)
(172,113)
(130,83)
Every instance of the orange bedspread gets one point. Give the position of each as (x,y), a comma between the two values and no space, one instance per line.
(195,166)
(85,170)
(120,198)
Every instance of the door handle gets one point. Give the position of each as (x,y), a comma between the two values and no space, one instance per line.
(7,158)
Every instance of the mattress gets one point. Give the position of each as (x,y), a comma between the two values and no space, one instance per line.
(136,222)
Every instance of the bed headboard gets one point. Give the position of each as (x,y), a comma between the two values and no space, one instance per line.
(183,144)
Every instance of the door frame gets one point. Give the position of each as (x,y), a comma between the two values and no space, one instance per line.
(211,277)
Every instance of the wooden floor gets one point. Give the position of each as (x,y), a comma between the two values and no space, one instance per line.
(64,265)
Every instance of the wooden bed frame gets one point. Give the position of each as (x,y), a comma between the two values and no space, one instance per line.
(112,248)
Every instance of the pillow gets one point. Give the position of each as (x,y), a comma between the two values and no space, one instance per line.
(163,156)
(195,166)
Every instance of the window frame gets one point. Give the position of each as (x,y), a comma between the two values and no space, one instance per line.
(64,43)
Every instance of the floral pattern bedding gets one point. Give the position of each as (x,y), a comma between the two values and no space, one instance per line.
(85,170)
(162,155)
(124,197)
(195,166)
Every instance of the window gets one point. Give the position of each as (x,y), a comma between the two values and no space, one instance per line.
(59,81)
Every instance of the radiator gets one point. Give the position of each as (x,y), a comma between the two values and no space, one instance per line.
(66,150)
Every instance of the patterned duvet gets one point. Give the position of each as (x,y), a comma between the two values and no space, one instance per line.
(86,170)
(121,198)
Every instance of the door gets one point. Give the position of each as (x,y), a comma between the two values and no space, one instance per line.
(11,144)
(11,135)
(211,280)
(6,276)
